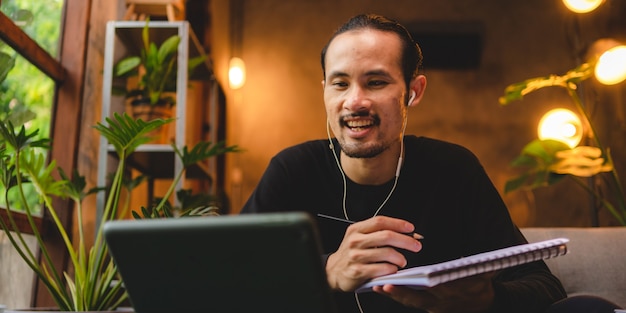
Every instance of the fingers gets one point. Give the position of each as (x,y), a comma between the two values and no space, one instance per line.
(382,231)
(470,294)
(385,254)
(385,223)
(370,249)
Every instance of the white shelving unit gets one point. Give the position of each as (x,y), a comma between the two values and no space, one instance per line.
(156,160)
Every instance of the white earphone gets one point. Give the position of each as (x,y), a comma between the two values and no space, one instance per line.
(413,94)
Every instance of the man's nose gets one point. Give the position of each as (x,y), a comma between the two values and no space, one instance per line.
(356,100)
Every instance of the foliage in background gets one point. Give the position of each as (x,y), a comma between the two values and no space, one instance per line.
(28,181)
(25,92)
(155,67)
(25,84)
(546,162)
(94,284)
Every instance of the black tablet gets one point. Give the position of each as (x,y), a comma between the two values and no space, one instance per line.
(238,263)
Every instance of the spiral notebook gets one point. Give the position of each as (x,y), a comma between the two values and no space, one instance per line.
(431,275)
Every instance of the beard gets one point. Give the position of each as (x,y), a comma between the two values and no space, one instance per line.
(362,151)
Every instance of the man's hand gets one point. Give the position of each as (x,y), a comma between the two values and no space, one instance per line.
(471,294)
(368,250)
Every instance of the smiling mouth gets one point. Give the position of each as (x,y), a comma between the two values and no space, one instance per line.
(359,123)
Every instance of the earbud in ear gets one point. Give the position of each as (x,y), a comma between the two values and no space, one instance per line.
(411,98)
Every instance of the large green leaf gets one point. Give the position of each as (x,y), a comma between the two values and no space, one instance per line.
(535,161)
(7,62)
(23,18)
(127,66)
(193,63)
(517,91)
(20,140)
(40,174)
(544,150)
(202,151)
(167,49)
(126,133)
(532,180)
(20,115)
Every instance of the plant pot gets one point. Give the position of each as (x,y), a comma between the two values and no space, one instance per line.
(141,108)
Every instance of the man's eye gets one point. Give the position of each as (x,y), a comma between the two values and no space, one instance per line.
(340,84)
(377,83)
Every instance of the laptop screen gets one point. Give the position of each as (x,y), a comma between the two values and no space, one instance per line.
(238,263)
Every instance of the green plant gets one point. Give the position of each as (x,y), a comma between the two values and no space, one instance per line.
(9,108)
(27,92)
(93,285)
(190,205)
(155,68)
(546,162)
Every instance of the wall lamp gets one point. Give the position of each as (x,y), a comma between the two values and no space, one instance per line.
(582,6)
(236,73)
(611,66)
(609,56)
(561,125)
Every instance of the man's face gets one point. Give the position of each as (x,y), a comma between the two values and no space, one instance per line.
(364,91)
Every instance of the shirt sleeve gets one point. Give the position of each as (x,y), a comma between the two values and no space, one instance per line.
(529,288)
(525,288)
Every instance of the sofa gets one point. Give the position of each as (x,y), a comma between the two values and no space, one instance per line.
(595,263)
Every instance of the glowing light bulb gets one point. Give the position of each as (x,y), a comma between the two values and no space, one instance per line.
(582,6)
(236,73)
(611,66)
(561,125)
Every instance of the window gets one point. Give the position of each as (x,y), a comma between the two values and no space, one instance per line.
(25,85)
(25,92)
(37,43)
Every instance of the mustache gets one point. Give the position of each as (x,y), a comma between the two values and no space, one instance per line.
(343,118)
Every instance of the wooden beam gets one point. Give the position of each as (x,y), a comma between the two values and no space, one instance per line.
(65,128)
(29,49)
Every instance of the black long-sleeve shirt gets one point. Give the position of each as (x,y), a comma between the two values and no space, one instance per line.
(442,189)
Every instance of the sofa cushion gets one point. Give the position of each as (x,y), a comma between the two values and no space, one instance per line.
(595,263)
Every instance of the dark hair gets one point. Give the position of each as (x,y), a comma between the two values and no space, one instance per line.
(411,53)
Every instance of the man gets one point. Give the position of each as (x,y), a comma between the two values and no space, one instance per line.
(390,184)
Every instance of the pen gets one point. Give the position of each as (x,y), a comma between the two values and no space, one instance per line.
(414,235)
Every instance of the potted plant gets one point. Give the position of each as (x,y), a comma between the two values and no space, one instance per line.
(93,284)
(546,162)
(152,76)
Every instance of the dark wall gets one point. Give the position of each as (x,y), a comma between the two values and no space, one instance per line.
(473,49)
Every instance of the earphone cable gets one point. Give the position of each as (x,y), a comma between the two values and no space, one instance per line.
(345,185)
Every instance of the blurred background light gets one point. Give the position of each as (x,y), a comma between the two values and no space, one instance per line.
(561,125)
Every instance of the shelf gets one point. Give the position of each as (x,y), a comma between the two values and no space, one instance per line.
(158,161)
(150,159)
(130,34)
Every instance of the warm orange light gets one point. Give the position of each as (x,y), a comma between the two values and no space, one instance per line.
(561,125)
(611,66)
(582,6)
(236,73)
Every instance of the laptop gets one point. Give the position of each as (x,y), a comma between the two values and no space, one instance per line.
(267,262)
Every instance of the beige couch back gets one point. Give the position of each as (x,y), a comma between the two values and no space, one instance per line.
(595,263)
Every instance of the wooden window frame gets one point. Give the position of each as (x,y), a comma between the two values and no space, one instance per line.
(68,73)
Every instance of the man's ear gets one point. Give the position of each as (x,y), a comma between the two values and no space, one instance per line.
(418,85)
(323,83)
